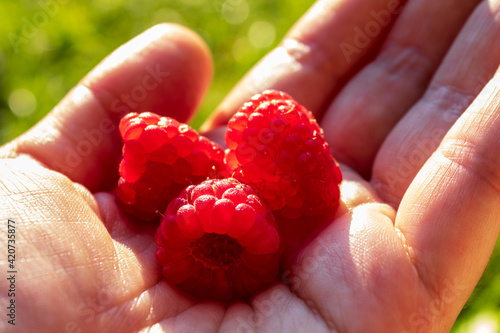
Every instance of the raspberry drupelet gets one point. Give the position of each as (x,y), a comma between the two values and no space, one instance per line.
(218,240)
(160,158)
(276,145)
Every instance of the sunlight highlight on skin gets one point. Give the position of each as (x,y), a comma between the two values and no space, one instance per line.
(81,95)
(493,5)
(280,62)
(145,40)
(354,193)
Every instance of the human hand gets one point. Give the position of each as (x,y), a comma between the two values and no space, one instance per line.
(390,102)
(86,266)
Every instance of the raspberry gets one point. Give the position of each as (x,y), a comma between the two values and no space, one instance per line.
(276,145)
(160,158)
(218,240)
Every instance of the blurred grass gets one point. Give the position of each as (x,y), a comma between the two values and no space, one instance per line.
(49,45)
(47,57)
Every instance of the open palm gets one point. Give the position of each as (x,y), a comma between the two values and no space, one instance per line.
(404,115)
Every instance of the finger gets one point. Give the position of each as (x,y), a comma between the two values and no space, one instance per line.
(358,263)
(470,63)
(201,317)
(449,215)
(374,100)
(72,264)
(148,299)
(166,70)
(328,44)
(68,257)
(216,135)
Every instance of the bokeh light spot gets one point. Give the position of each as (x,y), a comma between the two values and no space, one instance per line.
(261,34)
(235,11)
(22,102)
(485,324)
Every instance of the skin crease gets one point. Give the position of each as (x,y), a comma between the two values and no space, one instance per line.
(402,254)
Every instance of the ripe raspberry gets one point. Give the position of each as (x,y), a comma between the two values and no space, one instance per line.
(218,240)
(160,158)
(276,145)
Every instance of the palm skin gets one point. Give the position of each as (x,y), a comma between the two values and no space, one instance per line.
(88,267)
(402,254)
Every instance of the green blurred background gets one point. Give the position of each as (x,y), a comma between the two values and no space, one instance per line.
(47,46)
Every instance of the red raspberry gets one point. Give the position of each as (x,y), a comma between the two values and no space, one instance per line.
(276,145)
(160,158)
(218,240)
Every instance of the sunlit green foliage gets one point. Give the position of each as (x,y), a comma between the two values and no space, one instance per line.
(49,45)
